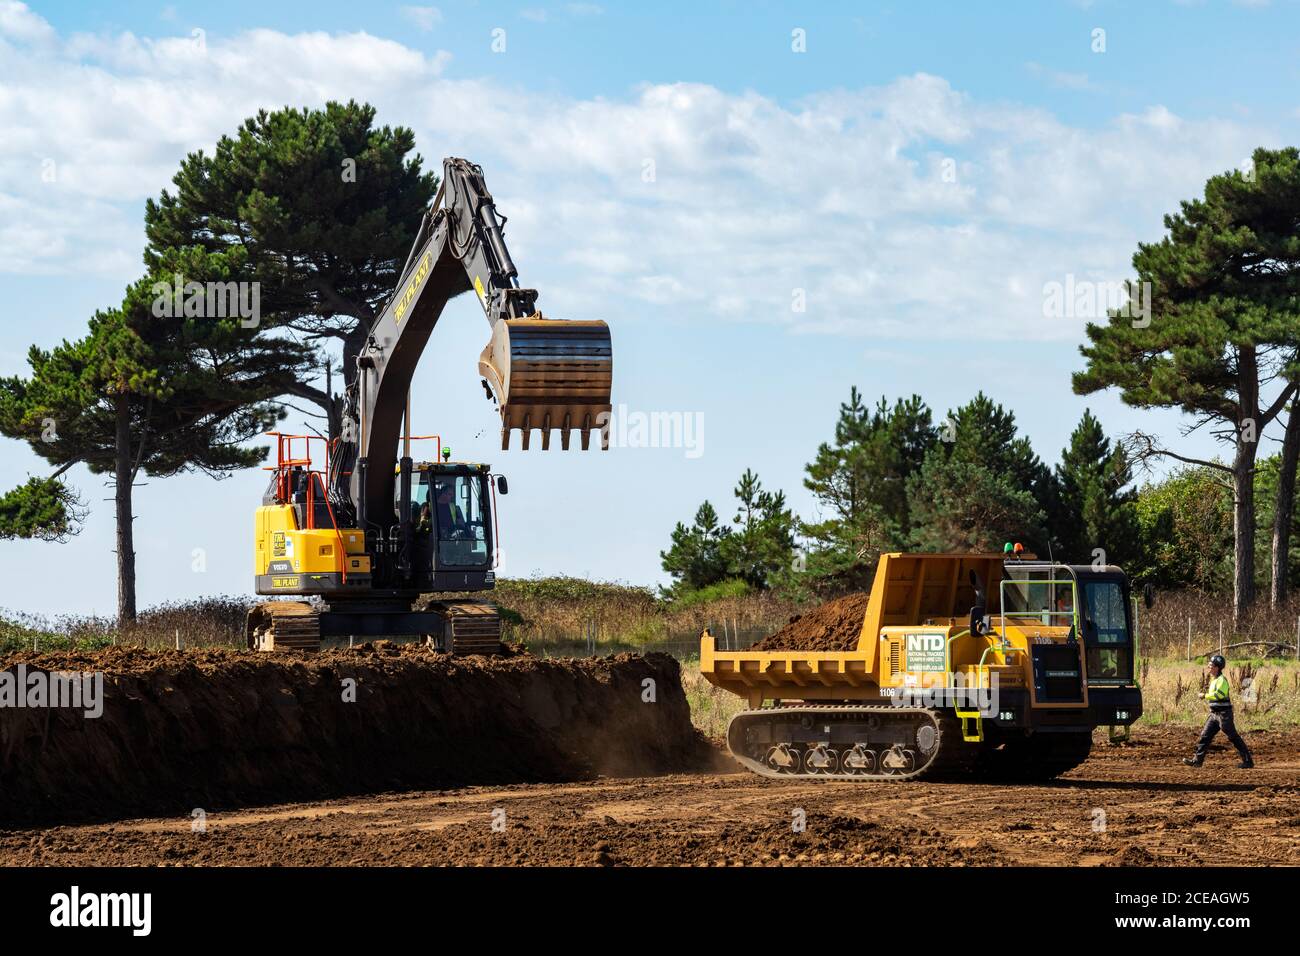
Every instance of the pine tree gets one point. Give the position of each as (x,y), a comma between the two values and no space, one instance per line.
(695,558)
(980,486)
(1094,509)
(318,206)
(762,543)
(860,484)
(1224,326)
(162,393)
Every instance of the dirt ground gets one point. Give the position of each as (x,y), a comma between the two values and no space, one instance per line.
(1130,805)
(219,728)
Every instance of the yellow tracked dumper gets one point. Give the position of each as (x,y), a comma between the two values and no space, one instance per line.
(967,664)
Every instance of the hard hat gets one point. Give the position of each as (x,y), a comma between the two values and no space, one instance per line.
(1217,660)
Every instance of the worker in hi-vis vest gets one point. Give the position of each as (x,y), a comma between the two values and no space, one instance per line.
(1220,718)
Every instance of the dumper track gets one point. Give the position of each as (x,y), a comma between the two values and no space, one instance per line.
(873,744)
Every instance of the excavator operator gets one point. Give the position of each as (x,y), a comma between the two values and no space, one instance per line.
(451,520)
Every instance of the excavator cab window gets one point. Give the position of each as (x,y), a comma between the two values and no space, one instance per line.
(460,517)
(421,507)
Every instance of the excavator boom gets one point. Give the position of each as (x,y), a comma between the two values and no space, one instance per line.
(543,373)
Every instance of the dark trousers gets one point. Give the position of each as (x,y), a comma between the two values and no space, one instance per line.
(1221,720)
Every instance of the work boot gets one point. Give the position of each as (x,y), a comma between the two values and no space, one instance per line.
(1192,761)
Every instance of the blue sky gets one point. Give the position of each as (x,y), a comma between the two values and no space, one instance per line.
(916,176)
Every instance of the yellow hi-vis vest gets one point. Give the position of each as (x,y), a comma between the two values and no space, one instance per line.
(1218,692)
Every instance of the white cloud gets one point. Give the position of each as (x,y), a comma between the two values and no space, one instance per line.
(1062,79)
(425,18)
(535,14)
(18,22)
(843,194)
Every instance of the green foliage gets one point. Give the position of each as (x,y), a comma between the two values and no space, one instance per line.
(694,559)
(319,206)
(196,389)
(1092,508)
(1267,475)
(1225,279)
(960,505)
(860,484)
(1224,324)
(758,549)
(762,541)
(723,590)
(568,589)
(981,486)
(43,508)
(1185,531)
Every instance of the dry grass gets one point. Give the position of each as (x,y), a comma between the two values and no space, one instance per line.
(1265,694)
(217,621)
(711,708)
(563,612)
(543,613)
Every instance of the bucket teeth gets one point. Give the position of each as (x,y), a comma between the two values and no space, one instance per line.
(553,372)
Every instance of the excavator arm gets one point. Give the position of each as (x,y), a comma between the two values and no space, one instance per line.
(542,373)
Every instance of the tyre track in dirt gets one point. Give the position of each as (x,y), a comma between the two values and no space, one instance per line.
(1154,811)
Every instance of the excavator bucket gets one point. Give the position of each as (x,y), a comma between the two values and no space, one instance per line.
(549,374)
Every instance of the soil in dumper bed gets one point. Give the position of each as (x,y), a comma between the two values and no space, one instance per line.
(217,728)
(835,626)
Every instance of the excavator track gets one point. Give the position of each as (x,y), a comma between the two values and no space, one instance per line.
(854,743)
(282,626)
(464,627)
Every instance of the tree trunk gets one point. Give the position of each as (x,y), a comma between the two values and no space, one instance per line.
(1243,534)
(1284,512)
(122,477)
(1243,484)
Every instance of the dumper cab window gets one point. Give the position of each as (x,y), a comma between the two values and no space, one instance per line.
(1108,638)
(1046,601)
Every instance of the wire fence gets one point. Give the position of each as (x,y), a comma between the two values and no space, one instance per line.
(1192,624)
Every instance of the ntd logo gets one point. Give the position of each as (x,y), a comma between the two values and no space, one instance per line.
(925,652)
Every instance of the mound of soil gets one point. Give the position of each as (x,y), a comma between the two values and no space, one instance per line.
(213,728)
(835,626)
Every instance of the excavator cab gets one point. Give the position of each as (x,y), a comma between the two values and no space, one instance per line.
(452,509)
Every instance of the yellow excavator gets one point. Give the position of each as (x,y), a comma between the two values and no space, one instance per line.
(949,676)
(367,537)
